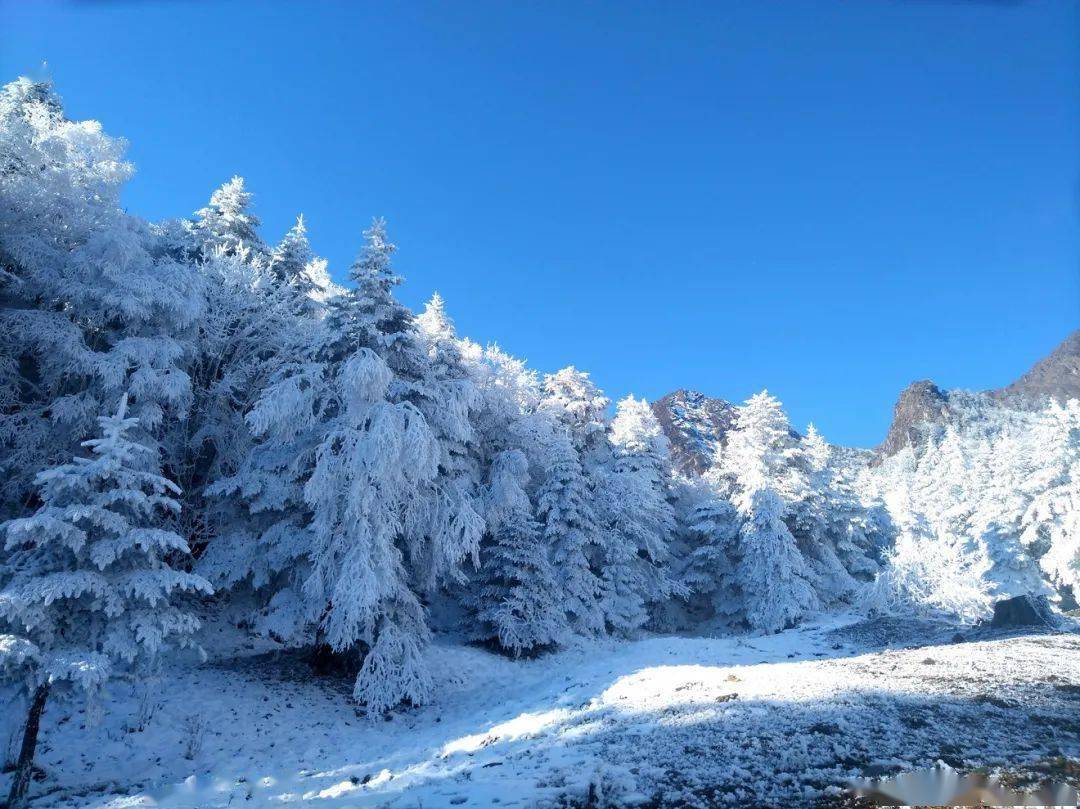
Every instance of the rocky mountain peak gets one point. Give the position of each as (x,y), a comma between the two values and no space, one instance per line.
(920,403)
(1056,376)
(696,425)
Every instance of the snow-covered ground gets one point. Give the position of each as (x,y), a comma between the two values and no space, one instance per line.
(663,721)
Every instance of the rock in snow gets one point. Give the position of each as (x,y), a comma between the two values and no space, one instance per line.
(1023,611)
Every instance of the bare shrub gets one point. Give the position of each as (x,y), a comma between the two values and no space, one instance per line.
(193,734)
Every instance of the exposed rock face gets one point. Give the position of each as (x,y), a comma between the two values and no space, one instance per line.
(695,424)
(1057,376)
(924,403)
(920,403)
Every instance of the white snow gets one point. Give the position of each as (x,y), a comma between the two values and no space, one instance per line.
(687,721)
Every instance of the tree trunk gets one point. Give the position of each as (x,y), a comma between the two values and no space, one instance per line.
(323,660)
(21,782)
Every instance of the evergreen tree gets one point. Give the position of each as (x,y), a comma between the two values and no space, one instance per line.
(90,591)
(709,571)
(565,507)
(374,311)
(92,302)
(375,457)
(449,401)
(772,574)
(813,517)
(517,600)
(226,224)
(291,265)
(339,487)
(575,402)
(1051,523)
(638,519)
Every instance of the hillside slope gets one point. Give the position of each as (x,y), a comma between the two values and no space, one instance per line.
(779,719)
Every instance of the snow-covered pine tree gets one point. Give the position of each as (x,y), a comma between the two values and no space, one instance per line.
(449,400)
(90,591)
(250,325)
(340,486)
(565,507)
(374,460)
(226,224)
(812,518)
(861,524)
(290,265)
(508,416)
(712,524)
(371,487)
(575,402)
(436,546)
(256,344)
(636,517)
(91,300)
(576,443)
(772,574)
(384,319)
(516,597)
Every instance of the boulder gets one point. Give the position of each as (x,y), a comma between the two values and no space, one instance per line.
(1023,611)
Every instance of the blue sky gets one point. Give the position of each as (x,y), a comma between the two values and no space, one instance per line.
(829,199)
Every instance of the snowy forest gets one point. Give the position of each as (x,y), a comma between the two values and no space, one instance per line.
(198,426)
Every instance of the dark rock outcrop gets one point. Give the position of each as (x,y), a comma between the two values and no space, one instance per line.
(695,424)
(920,403)
(1023,611)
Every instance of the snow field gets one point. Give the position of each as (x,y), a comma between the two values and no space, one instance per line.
(776,720)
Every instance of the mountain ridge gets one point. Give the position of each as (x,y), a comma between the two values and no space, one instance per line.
(696,424)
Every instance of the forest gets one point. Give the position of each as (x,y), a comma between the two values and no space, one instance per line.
(198,425)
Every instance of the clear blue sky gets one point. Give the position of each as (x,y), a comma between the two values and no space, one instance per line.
(826,198)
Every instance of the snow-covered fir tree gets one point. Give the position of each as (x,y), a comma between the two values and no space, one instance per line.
(342,482)
(573,400)
(708,570)
(374,459)
(449,402)
(517,600)
(92,301)
(227,223)
(813,518)
(772,574)
(258,339)
(253,322)
(636,517)
(291,264)
(89,591)
(571,531)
